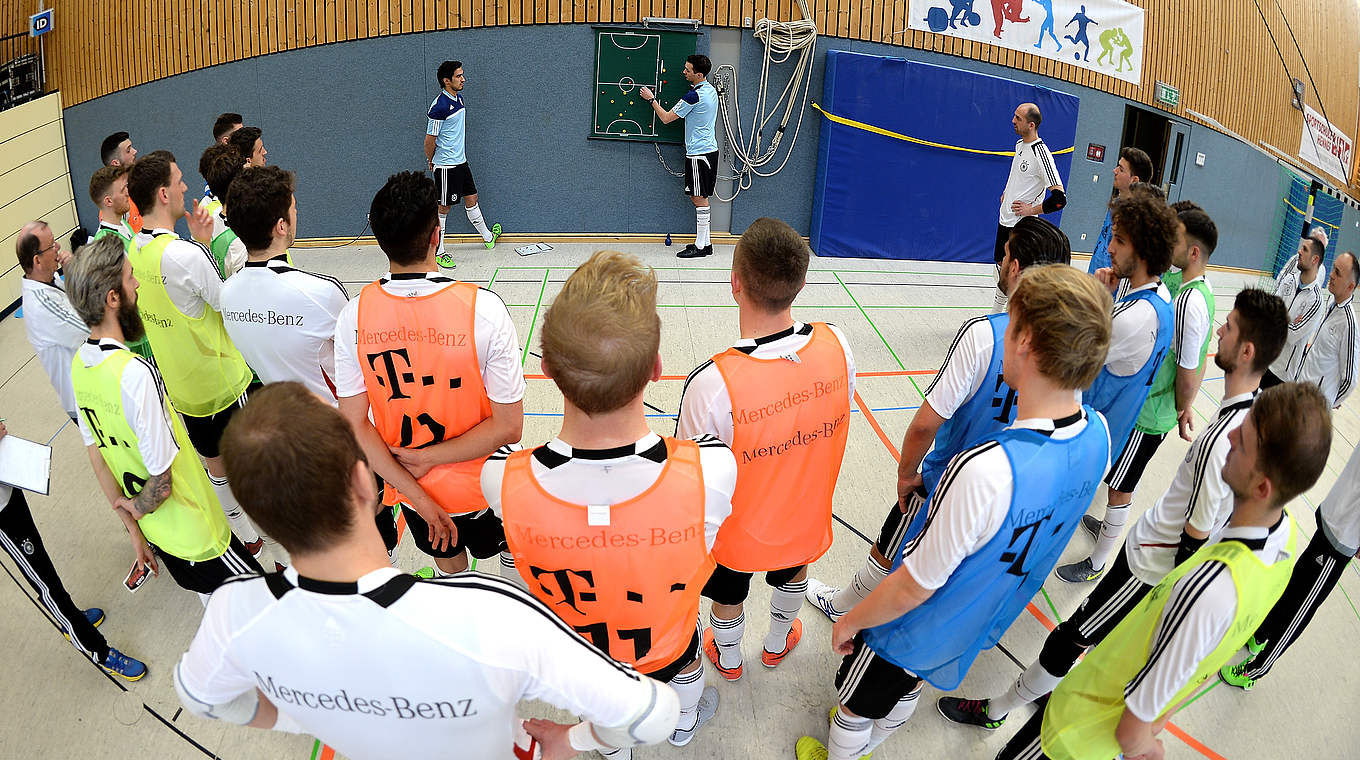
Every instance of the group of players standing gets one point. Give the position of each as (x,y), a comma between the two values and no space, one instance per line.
(300,396)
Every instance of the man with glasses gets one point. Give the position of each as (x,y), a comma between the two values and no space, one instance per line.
(53,327)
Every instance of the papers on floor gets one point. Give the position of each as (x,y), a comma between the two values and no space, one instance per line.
(529,250)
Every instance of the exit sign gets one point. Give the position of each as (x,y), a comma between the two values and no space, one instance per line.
(1168,96)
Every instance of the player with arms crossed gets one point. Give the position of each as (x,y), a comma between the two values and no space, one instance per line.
(1033,175)
(1193,511)
(444,151)
(639,512)
(967,399)
(437,363)
(1125,690)
(996,524)
(699,109)
(780,398)
(415,668)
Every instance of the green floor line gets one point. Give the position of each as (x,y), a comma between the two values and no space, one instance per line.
(914,306)
(316,748)
(1051,605)
(494,275)
(1195,698)
(528,339)
(1349,601)
(871,322)
(919,392)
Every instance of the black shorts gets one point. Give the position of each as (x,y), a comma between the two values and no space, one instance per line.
(870,686)
(1113,598)
(453,183)
(1003,233)
(1127,470)
(896,526)
(666,672)
(204,577)
(701,175)
(481,533)
(205,433)
(728,586)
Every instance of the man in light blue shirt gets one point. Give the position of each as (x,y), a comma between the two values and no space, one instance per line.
(699,109)
(1133,166)
(444,152)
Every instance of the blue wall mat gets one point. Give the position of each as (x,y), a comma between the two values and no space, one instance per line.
(881,197)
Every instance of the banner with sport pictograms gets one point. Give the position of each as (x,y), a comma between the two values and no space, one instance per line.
(1100,35)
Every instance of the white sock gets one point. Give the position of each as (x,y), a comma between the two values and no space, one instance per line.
(701,227)
(999,301)
(900,714)
(727,635)
(508,570)
(866,580)
(849,737)
(785,601)
(1111,528)
(240,524)
(443,220)
(1035,682)
(475,216)
(689,687)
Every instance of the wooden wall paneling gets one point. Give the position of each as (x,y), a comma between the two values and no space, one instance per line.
(178,41)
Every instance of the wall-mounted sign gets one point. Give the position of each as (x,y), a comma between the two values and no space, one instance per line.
(1167,95)
(40,23)
(1325,146)
(1095,152)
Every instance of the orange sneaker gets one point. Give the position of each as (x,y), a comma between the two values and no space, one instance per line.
(711,649)
(770,659)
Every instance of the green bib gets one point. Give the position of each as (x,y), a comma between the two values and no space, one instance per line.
(1158,414)
(1084,711)
(203,371)
(190,524)
(221,245)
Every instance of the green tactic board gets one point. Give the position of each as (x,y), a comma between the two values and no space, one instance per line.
(627,60)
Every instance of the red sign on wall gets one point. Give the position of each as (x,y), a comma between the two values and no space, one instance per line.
(1095,152)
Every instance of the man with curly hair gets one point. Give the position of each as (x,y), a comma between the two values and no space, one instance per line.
(1145,233)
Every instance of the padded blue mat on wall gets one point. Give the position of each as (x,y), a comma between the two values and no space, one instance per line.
(878,196)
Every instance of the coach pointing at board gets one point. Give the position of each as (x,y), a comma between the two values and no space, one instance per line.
(699,109)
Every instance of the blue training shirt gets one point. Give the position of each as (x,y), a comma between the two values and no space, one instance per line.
(699,109)
(986,412)
(447,123)
(1100,258)
(1054,482)
(1121,398)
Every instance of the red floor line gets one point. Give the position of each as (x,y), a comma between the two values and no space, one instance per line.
(890,373)
(327,753)
(873,423)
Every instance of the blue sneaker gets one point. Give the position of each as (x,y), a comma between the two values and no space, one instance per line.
(93,614)
(120,664)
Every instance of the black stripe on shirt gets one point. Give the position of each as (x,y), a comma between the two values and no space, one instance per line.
(1348,350)
(1184,595)
(1207,442)
(958,338)
(511,591)
(1045,159)
(951,472)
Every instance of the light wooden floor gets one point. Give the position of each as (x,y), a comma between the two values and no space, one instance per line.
(900,317)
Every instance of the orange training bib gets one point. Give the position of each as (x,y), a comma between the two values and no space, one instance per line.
(626,576)
(419,360)
(790,420)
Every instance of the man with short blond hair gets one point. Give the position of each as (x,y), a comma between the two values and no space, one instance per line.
(615,486)
(1005,508)
(788,452)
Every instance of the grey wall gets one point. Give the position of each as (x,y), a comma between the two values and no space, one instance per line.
(345,116)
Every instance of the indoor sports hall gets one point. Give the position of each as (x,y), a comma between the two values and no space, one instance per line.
(880,131)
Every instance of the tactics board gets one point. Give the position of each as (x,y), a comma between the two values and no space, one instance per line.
(627,60)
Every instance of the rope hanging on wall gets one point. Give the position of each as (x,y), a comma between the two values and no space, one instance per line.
(748,156)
